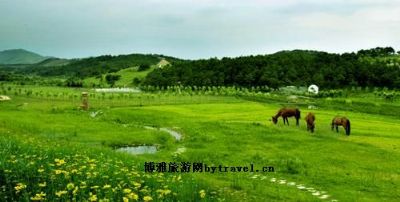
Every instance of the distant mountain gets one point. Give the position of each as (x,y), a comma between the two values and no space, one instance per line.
(20,56)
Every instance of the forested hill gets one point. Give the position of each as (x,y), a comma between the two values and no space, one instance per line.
(92,66)
(19,56)
(374,67)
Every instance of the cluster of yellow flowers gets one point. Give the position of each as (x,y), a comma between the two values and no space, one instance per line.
(79,177)
(39,197)
(19,187)
(129,194)
(202,193)
(60,193)
(163,192)
(59,162)
(92,197)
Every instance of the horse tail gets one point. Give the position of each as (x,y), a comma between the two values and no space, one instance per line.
(348,127)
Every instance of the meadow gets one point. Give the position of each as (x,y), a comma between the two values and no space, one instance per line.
(52,150)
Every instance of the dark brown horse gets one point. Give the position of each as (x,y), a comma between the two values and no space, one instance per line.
(285,113)
(310,118)
(341,121)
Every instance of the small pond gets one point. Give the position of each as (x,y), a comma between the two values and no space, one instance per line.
(138,149)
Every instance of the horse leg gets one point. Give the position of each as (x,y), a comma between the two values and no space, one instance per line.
(287,120)
(337,128)
(297,121)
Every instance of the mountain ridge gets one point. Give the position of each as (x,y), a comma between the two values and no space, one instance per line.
(20,56)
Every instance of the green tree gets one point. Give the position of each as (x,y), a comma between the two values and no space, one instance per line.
(143,67)
(112,78)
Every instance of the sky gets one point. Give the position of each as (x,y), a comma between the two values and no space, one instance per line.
(194,29)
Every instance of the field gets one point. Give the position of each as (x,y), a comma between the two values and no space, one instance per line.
(128,75)
(51,150)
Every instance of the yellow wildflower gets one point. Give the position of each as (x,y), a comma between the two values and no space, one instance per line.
(75,190)
(59,162)
(144,190)
(42,184)
(127,191)
(124,199)
(70,186)
(92,197)
(39,197)
(133,196)
(137,185)
(163,192)
(107,186)
(19,187)
(202,193)
(40,170)
(60,193)
(147,198)
(83,185)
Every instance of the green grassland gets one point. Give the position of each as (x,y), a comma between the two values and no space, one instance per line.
(127,76)
(50,149)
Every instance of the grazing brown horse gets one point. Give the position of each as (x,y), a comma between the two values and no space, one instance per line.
(310,118)
(341,121)
(285,113)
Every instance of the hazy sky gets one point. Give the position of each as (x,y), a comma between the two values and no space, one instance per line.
(196,28)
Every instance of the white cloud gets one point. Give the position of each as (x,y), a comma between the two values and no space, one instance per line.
(196,28)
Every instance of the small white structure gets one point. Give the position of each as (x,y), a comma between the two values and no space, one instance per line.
(313,89)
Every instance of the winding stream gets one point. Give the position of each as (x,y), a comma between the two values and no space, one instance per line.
(152,149)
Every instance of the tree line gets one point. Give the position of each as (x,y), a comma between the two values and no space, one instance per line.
(285,68)
(93,66)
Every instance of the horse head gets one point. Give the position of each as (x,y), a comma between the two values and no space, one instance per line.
(274,120)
